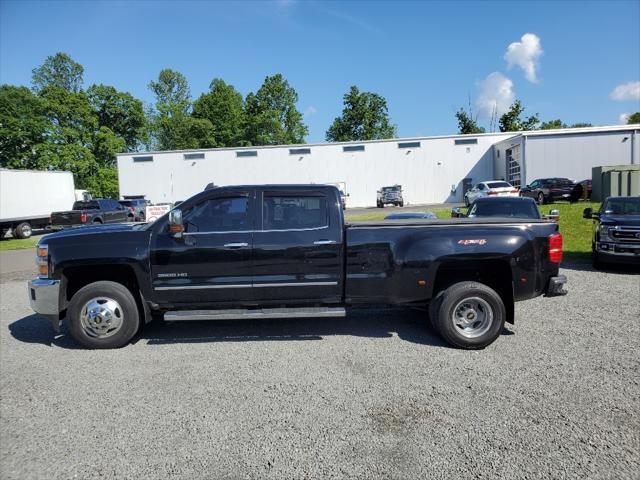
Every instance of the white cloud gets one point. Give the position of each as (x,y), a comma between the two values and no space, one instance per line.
(496,94)
(525,54)
(623,118)
(311,110)
(626,91)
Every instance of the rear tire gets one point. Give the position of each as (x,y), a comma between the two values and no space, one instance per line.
(23,230)
(103,314)
(97,221)
(468,315)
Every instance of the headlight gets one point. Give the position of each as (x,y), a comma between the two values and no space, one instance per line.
(42,260)
(604,232)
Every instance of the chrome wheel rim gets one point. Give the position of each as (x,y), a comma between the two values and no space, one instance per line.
(101,317)
(472,317)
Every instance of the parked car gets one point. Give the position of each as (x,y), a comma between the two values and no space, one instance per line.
(616,231)
(409,215)
(390,195)
(268,251)
(136,207)
(96,211)
(492,188)
(587,188)
(546,190)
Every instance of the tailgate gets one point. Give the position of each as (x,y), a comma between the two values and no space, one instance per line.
(71,217)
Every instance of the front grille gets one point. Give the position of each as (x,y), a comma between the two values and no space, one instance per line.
(626,234)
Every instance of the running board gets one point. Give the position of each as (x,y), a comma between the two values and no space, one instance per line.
(313,312)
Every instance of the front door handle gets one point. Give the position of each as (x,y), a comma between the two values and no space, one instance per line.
(236,245)
(324,242)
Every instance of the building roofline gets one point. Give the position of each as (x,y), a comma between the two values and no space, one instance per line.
(509,135)
(320,144)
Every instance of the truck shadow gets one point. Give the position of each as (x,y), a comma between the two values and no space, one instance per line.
(409,325)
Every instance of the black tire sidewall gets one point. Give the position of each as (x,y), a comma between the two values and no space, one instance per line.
(121,295)
(18,233)
(449,298)
(541,198)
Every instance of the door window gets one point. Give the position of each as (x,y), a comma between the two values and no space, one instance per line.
(294,212)
(229,214)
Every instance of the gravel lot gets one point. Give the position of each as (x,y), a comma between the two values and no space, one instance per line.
(375,395)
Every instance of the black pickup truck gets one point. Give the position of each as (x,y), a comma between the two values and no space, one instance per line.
(616,232)
(89,212)
(284,251)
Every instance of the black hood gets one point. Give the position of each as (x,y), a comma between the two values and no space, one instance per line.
(622,220)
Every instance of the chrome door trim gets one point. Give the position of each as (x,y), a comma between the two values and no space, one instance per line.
(244,285)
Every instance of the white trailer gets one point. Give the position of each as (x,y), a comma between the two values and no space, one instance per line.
(27,198)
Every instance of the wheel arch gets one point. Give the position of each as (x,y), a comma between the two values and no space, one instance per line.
(495,273)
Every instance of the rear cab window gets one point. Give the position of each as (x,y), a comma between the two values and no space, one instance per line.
(83,205)
(294,212)
(498,185)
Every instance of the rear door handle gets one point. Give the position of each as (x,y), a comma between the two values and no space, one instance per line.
(324,242)
(236,245)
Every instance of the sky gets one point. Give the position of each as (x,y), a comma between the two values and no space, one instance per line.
(577,61)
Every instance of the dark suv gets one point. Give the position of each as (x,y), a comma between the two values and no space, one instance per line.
(616,231)
(546,190)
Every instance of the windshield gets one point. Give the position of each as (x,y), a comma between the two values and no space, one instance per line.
(505,209)
(390,189)
(126,203)
(622,206)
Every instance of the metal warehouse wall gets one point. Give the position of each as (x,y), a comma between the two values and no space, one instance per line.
(574,155)
(426,173)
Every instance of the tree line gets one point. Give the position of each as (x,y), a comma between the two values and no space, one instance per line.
(513,120)
(60,125)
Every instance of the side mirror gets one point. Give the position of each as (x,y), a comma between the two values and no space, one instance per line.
(554,215)
(587,213)
(456,212)
(175,223)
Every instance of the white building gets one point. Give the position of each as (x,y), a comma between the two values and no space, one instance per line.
(430,169)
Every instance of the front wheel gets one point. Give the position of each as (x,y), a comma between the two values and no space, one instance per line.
(468,315)
(103,315)
(540,198)
(595,259)
(466,201)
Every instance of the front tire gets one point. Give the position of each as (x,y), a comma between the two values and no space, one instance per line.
(595,259)
(103,314)
(468,315)
(541,198)
(466,201)
(23,230)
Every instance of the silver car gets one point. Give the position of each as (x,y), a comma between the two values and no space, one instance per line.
(496,188)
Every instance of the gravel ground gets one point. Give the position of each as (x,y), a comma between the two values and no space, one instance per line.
(375,395)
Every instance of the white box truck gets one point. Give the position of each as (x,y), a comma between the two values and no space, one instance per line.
(27,198)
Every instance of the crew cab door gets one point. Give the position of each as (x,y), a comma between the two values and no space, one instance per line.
(298,247)
(211,263)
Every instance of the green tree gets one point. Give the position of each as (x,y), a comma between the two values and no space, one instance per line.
(58,70)
(23,126)
(223,106)
(173,127)
(271,116)
(122,113)
(467,124)
(633,118)
(364,117)
(70,115)
(553,124)
(511,121)
(173,96)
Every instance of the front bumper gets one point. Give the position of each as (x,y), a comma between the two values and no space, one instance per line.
(624,251)
(44,296)
(555,287)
